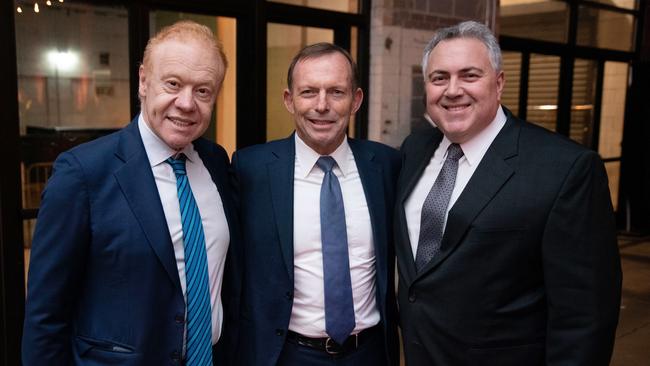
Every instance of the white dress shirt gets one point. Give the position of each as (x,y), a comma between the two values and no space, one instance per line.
(213,217)
(308,312)
(473,150)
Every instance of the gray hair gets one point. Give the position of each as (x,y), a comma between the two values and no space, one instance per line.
(468,29)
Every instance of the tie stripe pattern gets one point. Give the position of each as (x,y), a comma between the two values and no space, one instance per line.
(339,306)
(199,311)
(434,209)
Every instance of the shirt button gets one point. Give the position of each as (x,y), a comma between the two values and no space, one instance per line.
(279,332)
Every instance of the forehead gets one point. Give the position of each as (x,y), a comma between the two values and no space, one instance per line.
(459,53)
(331,67)
(176,55)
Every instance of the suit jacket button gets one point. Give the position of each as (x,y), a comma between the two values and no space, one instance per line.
(289,295)
(279,332)
(412,297)
(179,319)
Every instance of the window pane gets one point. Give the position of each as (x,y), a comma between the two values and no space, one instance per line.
(346,6)
(545,20)
(613,109)
(283,42)
(626,4)
(543,83)
(605,29)
(582,100)
(222,127)
(613,174)
(73,84)
(512,71)
(73,70)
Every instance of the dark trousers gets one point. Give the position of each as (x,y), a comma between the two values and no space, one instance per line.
(370,353)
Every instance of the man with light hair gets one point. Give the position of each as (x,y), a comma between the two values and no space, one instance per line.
(505,235)
(128,263)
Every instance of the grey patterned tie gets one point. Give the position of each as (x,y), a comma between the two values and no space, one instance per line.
(434,208)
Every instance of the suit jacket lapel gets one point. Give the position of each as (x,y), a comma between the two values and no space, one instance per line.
(281,171)
(491,174)
(139,187)
(371,176)
(411,174)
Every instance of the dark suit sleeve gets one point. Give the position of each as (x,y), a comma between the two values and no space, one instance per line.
(58,256)
(582,270)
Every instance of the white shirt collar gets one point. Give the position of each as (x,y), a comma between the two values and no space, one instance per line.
(157,150)
(475,148)
(307,157)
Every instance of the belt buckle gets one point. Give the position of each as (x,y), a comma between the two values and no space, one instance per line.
(329,344)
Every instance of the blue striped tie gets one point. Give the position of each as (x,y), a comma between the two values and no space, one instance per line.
(199,312)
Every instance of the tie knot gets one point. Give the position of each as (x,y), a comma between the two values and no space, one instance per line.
(454,152)
(178,165)
(326,163)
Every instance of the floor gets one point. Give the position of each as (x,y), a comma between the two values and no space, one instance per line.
(632,346)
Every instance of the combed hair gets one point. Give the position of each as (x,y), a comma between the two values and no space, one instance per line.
(468,29)
(185,30)
(321,49)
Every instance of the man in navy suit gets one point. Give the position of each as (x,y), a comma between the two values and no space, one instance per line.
(107,278)
(287,316)
(519,265)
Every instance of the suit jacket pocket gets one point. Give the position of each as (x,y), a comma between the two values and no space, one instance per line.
(92,351)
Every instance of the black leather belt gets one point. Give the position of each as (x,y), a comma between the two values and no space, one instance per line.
(329,346)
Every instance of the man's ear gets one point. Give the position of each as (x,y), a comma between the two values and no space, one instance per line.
(142,81)
(501,82)
(358,99)
(288,100)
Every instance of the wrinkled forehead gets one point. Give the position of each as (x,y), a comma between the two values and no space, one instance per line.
(306,66)
(192,48)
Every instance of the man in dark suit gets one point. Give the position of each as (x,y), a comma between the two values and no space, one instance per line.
(506,240)
(317,207)
(135,225)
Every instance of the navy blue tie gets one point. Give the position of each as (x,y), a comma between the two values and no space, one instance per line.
(339,306)
(199,312)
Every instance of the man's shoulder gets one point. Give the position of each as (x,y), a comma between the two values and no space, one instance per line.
(419,138)
(378,148)
(210,147)
(544,142)
(97,148)
(266,148)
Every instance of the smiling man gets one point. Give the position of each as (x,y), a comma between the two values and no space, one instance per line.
(129,255)
(317,208)
(506,240)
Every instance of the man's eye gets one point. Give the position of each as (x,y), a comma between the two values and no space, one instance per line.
(172,83)
(307,93)
(438,79)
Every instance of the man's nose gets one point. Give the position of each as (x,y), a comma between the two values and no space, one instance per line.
(454,88)
(322,105)
(185,99)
